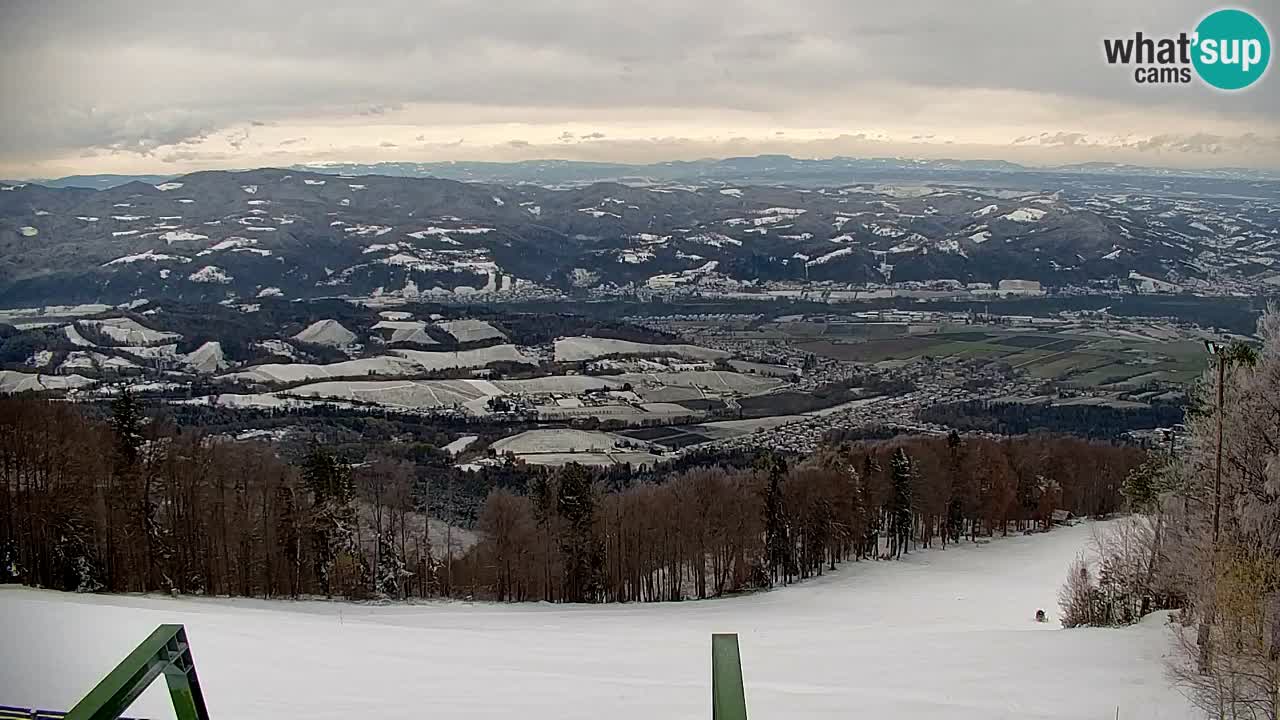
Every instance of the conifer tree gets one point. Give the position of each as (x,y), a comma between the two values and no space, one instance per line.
(900,517)
(333,518)
(583,552)
(871,542)
(391,569)
(777,541)
(129,500)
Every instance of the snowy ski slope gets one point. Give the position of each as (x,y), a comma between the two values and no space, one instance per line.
(940,635)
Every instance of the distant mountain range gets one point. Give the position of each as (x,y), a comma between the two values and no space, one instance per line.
(762,169)
(299,234)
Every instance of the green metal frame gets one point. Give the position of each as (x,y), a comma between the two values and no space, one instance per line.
(728,697)
(165,652)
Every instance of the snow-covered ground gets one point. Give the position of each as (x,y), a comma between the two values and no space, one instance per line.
(939,635)
(576,349)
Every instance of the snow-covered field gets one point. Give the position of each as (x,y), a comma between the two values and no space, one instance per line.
(561,440)
(575,349)
(939,635)
(326,332)
(465,331)
(127,331)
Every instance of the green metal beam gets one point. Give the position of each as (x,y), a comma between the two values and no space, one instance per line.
(166,652)
(728,697)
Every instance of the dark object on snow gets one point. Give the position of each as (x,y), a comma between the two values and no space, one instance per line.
(1040,616)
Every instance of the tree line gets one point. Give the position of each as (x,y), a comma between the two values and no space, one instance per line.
(711,530)
(1094,421)
(130,503)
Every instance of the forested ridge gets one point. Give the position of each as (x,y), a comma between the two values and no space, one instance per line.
(131,504)
(1013,418)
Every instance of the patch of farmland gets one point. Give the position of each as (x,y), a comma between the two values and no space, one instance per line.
(471,395)
(591,459)
(578,349)
(399,362)
(478,358)
(716,382)
(411,331)
(1069,364)
(1108,374)
(469,331)
(782,371)
(406,394)
(282,373)
(12,381)
(1039,341)
(127,331)
(326,332)
(726,429)
(561,446)
(560,440)
(461,444)
(875,350)
(651,434)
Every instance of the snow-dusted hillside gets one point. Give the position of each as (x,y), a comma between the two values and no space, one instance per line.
(939,635)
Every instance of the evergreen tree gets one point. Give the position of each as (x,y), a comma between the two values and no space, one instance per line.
(777,540)
(333,517)
(10,570)
(75,557)
(129,500)
(126,423)
(871,542)
(391,569)
(542,493)
(286,527)
(1143,485)
(583,551)
(900,517)
(955,503)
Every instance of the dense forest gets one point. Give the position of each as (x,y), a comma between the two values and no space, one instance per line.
(1092,421)
(127,503)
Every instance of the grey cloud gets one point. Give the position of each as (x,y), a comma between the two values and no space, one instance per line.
(141,75)
(519,143)
(1208,143)
(387,144)
(238,138)
(178,156)
(593,136)
(381,109)
(1066,139)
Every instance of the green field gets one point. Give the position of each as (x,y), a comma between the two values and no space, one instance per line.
(1071,360)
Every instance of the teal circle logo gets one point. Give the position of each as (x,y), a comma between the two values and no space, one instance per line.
(1232,49)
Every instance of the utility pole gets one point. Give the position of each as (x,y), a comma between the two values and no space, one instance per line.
(1203,633)
(1217,350)
(1235,354)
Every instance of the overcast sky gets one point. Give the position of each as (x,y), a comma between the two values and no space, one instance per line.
(173,86)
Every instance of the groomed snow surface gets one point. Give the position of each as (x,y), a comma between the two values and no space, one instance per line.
(938,635)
